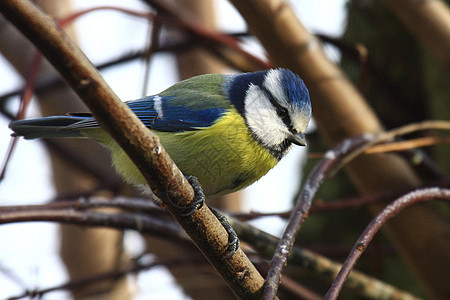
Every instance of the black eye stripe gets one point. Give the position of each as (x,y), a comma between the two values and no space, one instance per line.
(282,112)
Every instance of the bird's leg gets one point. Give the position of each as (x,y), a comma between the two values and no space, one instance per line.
(198,202)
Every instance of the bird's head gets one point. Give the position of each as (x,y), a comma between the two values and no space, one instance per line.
(275,105)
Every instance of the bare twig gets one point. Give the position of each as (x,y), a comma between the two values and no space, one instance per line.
(318,265)
(408,144)
(384,142)
(180,19)
(389,212)
(340,204)
(332,161)
(25,99)
(111,275)
(227,55)
(292,287)
(300,211)
(396,146)
(388,135)
(156,223)
(152,45)
(185,45)
(139,222)
(141,145)
(12,276)
(130,204)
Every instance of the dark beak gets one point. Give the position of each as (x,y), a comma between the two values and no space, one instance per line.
(298,139)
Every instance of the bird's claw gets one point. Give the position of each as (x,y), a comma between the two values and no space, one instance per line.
(233,239)
(198,202)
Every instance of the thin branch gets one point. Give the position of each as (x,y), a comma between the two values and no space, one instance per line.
(228,56)
(152,46)
(332,161)
(141,145)
(25,100)
(142,223)
(300,211)
(384,142)
(387,213)
(409,144)
(232,58)
(292,287)
(396,146)
(110,275)
(174,47)
(341,204)
(179,18)
(82,203)
(12,276)
(391,134)
(318,265)
(156,223)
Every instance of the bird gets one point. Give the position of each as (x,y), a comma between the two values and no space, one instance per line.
(226,130)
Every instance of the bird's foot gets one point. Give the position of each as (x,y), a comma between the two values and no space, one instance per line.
(233,239)
(197,203)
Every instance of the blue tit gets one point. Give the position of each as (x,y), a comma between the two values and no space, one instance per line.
(227,130)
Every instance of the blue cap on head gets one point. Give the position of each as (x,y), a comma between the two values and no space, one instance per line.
(296,90)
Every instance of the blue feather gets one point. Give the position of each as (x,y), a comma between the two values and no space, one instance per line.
(296,90)
(174,118)
(239,86)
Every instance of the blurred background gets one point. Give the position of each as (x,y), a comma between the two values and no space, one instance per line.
(401,81)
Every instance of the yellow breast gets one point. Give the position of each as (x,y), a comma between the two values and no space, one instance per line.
(224,157)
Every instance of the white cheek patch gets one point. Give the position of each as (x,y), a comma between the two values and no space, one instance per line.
(158,106)
(262,118)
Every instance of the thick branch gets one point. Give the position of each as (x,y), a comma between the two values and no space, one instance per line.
(141,145)
(429,22)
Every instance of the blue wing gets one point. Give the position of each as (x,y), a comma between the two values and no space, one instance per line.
(160,113)
(163,113)
(187,105)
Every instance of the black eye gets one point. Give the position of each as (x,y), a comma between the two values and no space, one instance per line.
(282,112)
